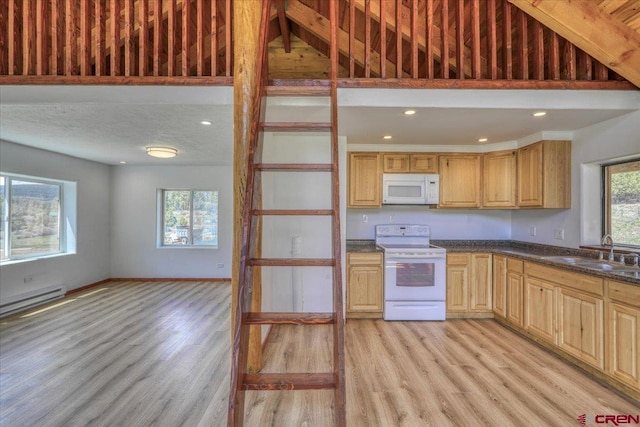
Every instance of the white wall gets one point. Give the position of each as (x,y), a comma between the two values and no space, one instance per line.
(134,252)
(613,139)
(305,289)
(453,224)
(90,263)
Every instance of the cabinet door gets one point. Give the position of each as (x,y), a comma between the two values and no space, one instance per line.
(623,347)
(424,163)
(365,189)
(395,163)
(580,326)
(364,292)
(499,179)
(460,179)
(500,285)
(515,302)
(480,283)
(530,176)
(457,288)
(540,309)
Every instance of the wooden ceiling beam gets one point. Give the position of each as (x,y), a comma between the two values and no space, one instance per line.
(593,30)
(284,25)
(318,25)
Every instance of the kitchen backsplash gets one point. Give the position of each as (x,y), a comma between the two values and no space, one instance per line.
(444,223)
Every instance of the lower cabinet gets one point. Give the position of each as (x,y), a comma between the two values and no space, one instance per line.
(364,285)
(515,292)
(623,333)
(500,285)
(540,308)
(580,326)
(469,285)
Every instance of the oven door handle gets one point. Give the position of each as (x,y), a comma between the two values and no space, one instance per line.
(420,256)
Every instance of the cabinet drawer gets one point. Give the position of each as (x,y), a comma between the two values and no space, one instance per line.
(458,259)
(515,265)
(581,282)
(374,258)
(628,294)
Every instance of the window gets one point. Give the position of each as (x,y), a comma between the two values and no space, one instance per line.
(189,218)
(31,211)
(622,203)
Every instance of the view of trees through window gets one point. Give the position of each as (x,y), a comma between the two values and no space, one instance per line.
(30,218)
(190,217)
(623,203)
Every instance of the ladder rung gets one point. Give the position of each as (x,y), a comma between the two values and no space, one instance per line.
(292,212)
(296,126)
(273,318)
(292,262)
(297,381)
(297,167)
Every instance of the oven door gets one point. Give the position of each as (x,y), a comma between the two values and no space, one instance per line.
(414,277)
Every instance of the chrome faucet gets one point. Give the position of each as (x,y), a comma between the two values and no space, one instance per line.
(608,240)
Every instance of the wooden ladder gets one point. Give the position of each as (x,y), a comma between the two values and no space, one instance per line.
(241,379)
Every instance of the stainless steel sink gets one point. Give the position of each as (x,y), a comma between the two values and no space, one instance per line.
(598,265)
(630,273)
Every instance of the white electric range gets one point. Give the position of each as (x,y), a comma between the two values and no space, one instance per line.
(414,273)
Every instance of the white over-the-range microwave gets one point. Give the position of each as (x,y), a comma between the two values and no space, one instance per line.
(410,189)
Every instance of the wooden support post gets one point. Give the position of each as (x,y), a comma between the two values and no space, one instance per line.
(245,85)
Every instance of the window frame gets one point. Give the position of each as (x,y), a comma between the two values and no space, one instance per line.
(9,177)
(607,170)
(161,219)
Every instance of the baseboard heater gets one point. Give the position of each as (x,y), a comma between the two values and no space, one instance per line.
(31,299)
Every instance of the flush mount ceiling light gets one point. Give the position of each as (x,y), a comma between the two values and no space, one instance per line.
(387,137)
(122,162)
(409,112)
(483,140)
(539,114)
(205,122)
(162,152)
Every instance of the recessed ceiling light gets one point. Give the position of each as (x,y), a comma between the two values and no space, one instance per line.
(122,162)
(410,112)
(539,114)
(387,137)
(205,122)
(162,152)
(483,140)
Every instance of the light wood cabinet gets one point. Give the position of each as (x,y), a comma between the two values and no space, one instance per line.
(622,328)
(469,285)
(580,326)
(365,186)
(410,163)
(499,179)
(515,292)
(364,285)
(540,308)
(544,175)
(500,285)
(457,283)
(460,178)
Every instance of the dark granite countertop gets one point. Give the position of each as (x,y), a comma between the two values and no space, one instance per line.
(516,249)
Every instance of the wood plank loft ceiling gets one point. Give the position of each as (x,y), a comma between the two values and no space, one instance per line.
(382,43)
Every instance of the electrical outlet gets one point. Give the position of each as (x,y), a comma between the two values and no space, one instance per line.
(220,265)
(558,233)
(390,218)
(28,279)
(365,218)
(532,230)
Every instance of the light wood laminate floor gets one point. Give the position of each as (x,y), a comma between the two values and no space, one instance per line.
(157,353)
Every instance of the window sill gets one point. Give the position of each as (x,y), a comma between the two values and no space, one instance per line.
(37,258)
(184,247)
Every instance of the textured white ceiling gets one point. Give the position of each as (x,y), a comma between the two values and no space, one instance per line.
(114,124)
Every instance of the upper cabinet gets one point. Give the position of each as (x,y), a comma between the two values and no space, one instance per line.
(460,177)
(365,186)
(499,179)
(544,175)
(410,163)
